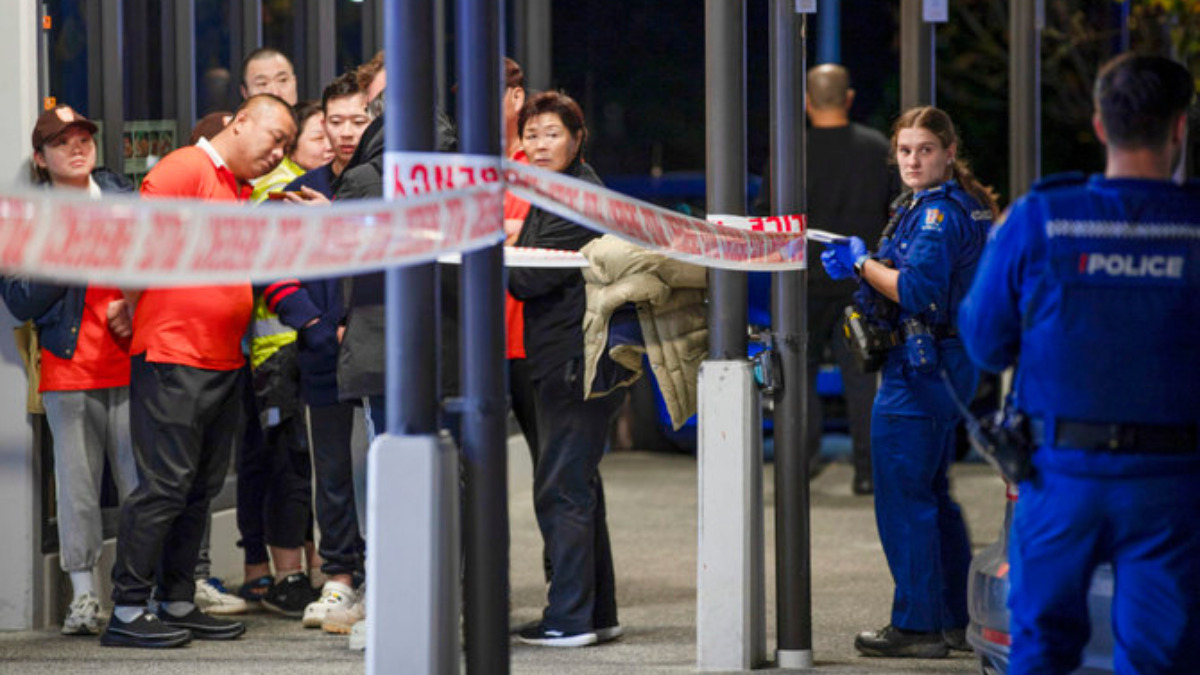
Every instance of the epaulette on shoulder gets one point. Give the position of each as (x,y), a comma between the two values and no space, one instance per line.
(1060,180)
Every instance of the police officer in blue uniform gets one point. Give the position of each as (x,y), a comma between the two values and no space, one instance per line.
(1095,285)
(910,290)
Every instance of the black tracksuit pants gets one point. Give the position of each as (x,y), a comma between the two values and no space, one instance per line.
(569,500)
(184,422)
(330,430)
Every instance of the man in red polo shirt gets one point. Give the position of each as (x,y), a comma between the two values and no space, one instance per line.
(185,409)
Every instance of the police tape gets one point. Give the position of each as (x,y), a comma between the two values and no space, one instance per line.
(670,233)
(442,204)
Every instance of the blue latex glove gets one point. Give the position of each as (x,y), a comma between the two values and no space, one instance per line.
(834,267)
(841,257)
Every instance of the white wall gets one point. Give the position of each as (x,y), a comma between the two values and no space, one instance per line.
(19,507)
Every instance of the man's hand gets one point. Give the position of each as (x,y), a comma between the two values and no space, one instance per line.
(842,256)
(120,319)
(306,196)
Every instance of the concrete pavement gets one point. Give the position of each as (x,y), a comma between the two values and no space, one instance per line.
(652,521)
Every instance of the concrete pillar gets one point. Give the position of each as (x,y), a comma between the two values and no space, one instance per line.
(730,586)
(20,526)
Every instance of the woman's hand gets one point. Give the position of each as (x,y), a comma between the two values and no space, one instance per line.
(306,196)
(841,257)
(120,319)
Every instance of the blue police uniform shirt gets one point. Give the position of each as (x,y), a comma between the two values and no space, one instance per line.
(936,247)
(1095,284)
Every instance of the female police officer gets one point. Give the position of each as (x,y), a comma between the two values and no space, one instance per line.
(911,288)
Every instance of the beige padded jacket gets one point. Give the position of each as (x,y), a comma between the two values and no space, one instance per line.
(670,297)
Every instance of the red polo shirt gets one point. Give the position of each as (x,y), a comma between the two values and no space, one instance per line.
(197,326)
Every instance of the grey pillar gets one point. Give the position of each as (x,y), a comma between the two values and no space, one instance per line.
(1024,96)
(917,63)
(111,82)
(535,39)
(725,161)
(793,565)
(320,51)
(183,57)
(20,480)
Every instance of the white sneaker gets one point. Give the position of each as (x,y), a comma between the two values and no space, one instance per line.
(334,595)
(609,634)
(341,620)
(83,616)
(358,636)
(212,598)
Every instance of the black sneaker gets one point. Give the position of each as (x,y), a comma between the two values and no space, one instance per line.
(956,640)
(203,626)
(290,596)
(892,642)
(146,631)
(542,636)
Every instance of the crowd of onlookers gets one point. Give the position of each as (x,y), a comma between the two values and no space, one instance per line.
(172,384)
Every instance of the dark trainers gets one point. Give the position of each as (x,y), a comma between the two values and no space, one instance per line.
(892,642)
(145,631)
(203,626)
(290,596)
(542,636)
(956,639)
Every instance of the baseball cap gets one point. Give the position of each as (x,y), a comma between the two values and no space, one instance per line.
(55,121)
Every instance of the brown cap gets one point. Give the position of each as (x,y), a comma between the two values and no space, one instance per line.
(55,121)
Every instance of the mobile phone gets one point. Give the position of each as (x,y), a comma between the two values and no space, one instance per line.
(281,194)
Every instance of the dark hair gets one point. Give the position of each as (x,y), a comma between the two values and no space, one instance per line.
(513,75)
(560,104)
(342,86)
(262,53)
(1138,98)
(303,111)
(367,71)
(937,122)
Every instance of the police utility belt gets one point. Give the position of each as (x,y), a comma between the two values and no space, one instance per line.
(870,342)
(1160,439)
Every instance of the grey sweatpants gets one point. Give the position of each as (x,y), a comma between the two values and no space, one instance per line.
(87,426)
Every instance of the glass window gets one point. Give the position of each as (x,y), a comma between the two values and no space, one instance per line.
(217,76)
(283,29)
(349,35)
(67,52)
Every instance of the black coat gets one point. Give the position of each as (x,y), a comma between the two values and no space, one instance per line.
(361,356)
(554,297)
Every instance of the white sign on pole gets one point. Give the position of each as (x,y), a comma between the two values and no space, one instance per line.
(936,11)
(806,6)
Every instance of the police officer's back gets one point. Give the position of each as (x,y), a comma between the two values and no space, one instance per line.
(1094,285)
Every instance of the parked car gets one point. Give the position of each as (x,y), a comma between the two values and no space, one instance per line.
(987,597)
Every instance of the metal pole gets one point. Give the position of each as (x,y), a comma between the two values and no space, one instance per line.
(411,388)
(113,110)
(185,68)
(320,52)
(916,52)
(829,32)
(484,458)
(793,565)
(725,172)
(1024,96)
(537,35)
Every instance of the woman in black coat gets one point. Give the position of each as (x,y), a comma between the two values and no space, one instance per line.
(568,493)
